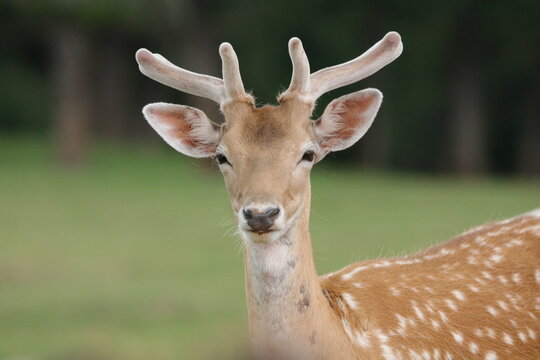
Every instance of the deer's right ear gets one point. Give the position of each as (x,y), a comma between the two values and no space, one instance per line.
(346,119)
(186,129)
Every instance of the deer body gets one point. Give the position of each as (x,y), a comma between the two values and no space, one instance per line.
(474,297)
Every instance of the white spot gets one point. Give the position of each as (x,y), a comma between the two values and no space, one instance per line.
(478,332)
(514,323)
(362,340)
(487,275)
(347,328)
(496,258)
(443,316)
(451,304)
(436,354)
(353,272)
(448,356)
(425,355)
(388,353)
(473,348)
(480,240)
(492,310)
(491,355)
(472,260)
(458,295)
(490,332)
(503,279)
(341,305)
(383,338)
(502,305)
(350,301)
(516,277)
(358,285)
(459,276)
(402,324)
(537,276)
(428,289)
(395,291)
(414,355)
(532,334)
(513,300)
(514,242)
(522,336)
(458,337)
(474,288)
(435,324)
(508,339)
(419,313)
(480,281)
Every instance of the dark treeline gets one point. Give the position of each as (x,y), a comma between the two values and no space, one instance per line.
(462,98)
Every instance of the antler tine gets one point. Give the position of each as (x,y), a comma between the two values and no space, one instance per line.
(234,88)
(160,69)
(300,74)
(374,59)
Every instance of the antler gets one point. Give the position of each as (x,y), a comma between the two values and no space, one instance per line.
(221,91)
(309,87)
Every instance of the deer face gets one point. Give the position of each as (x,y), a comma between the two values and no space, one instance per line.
(266,154)
(266,159)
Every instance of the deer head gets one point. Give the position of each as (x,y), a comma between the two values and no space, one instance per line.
(266,154)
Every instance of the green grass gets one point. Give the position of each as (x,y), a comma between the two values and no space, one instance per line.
(129,257)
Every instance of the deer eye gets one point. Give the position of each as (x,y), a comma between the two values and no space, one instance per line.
(221,159)
(308,156)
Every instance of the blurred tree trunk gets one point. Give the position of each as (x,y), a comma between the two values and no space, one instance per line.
(528,161)
(466,143)
(113,89)
(466,121)
(71,58)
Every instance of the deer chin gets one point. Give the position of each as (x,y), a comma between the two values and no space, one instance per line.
(268,237)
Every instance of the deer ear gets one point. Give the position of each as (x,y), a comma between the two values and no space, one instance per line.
(186,129)
(346,119)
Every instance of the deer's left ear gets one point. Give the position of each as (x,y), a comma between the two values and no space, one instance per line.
(186,129)
(346,119)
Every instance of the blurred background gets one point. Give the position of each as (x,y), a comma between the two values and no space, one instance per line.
(113,246)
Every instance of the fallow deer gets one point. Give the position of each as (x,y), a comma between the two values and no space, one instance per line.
(473,297)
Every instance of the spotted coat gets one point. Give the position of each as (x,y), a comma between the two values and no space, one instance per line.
(476,296)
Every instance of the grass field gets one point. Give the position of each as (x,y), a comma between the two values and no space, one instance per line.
(131,257)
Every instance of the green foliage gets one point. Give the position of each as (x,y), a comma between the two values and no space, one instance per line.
(132,257)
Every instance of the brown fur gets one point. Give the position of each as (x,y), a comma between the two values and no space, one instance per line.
(387,297)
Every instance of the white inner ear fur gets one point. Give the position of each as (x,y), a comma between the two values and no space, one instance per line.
(186,129)
(346,119)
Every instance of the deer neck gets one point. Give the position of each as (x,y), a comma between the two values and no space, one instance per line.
(288,313)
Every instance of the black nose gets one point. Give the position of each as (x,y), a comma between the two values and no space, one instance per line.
(261,221)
